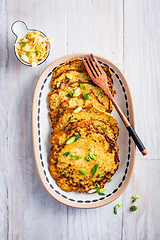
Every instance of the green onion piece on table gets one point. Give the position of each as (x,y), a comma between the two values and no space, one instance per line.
(133,208)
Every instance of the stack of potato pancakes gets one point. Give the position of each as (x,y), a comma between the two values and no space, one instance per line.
(84,155)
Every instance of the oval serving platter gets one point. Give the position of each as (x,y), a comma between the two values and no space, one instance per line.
(42,133)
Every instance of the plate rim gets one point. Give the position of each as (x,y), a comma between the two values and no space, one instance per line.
(125,184)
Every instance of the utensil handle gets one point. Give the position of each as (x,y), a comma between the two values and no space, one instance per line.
(130,129)
(137,140)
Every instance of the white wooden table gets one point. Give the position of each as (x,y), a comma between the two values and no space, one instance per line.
(128,34)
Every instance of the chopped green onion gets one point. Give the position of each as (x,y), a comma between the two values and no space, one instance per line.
(88,158)
(71,140)
(29,53)
(100,95)
(92,155)
(109,119)
(104,130)
(23,44)
(82,172)
(70,118)
(136,196)
(94,169)
(36,51)
(99,175)
(64,172)
(96,185)
(118,205)
(77,110)
(66,154)
(76,92)
(95,154)
(92,191)
(76,157)
(69,95)
(101,193)
(102,190)
(77,137)
(133,208)
(86,96)
(110,179)
(83,86)
(58,84)
(115,210)
(68,76)
(134,200)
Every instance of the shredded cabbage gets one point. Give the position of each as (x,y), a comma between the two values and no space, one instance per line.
(33,48)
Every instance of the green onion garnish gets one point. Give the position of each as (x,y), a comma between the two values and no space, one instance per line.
(96,185)
(66,154)
(69,95)
(77,110)
(100,95)
(99,175)
(71,140)
(109,119)
(23,44)
(64,172)
(104,130)
(94,169)
(29,53)
(88,158)
(82,172)
(76,157)
(83,86)
(110,179)
(133,208)
(92,155)
(101,193)
(36,51)
(58,84)
(68,76)
(77,137)
(76,92)
(70,118)
(86,96)
(134,200)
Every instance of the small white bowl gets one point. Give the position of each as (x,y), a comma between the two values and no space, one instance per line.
(20,30)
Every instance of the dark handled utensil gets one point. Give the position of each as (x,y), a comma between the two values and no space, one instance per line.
(99,77)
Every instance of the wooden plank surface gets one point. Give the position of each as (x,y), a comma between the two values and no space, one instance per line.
(125,32)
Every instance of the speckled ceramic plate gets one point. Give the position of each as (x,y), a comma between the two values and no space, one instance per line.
(42,145)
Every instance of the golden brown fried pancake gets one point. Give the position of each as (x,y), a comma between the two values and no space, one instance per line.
(97,97)
(67,171)
(98,117)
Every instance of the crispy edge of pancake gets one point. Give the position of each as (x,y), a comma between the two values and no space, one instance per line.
(58,146)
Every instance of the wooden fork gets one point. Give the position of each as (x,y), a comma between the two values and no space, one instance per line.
(99,77)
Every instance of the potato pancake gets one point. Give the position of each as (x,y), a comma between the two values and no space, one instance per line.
(69,163)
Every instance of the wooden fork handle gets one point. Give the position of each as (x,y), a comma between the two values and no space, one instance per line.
(130,129)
